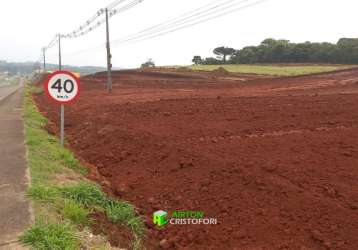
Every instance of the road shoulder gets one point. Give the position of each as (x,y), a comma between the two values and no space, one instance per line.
(14,177)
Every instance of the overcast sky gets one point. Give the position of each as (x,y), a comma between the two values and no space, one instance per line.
(26,26)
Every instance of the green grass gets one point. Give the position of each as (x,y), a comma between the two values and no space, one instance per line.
(84,193)
(89,195)
(55,236)
(124,213)
(46,158)
(62,208)
(76,213)
(43,194)
(275,70)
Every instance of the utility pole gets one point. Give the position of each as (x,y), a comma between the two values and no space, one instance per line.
(62,108)
(109,56)
(59,52)
(44,56)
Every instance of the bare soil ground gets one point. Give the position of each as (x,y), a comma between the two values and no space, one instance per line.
(275,160)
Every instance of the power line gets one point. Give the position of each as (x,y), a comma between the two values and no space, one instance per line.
(83,26)
(98,14)
(112,13)
(122,9)
(206,9)
(89,25)
(179,24)
(102,21)
(114,4)
(199,15)
(52,43)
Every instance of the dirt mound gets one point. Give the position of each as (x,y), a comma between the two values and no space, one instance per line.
(220,72)
(274,161)
(184,69)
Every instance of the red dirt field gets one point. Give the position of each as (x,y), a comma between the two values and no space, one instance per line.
(274,160)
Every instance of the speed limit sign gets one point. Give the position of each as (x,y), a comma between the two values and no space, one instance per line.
(62,86)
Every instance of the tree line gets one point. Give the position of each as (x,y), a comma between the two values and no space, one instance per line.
(13,68)
(345,51)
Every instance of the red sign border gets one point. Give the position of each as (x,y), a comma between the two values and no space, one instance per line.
(62,72)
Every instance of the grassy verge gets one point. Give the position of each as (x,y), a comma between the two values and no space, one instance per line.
(275,70)
(62,198)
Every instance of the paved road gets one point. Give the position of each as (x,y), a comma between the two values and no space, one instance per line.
(6,90)
(15,213)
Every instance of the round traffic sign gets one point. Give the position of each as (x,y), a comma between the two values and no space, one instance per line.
(62,86)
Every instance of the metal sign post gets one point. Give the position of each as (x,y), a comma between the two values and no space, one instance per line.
(62,111)
(62,108)
(109,56)
(62,125)
(44,58)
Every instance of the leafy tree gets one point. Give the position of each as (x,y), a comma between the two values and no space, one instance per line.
(224,52)
(148,64)
(211,61)
(283,51)
(247,55)
(274,51)
(197,60)
(348,50)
